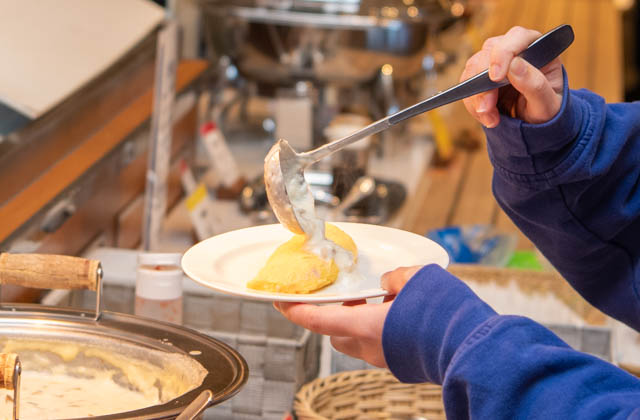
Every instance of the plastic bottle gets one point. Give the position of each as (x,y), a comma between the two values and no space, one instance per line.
(159,287)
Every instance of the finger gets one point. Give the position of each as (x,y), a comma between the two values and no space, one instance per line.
(488,113)
(347,345)
(354,302)
(483,106)
(513,43)
(356,348)
(489,43)
(328,320)
(542,101)
(477,63)
(395,280)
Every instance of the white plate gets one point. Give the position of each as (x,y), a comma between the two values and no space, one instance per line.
(228,261)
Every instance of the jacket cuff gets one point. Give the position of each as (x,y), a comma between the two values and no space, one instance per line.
(528,149)
(429,320)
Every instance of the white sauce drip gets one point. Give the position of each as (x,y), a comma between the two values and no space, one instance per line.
(303,207)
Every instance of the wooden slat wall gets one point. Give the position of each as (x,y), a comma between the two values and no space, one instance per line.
(578,61)
(594,61)
(607,79)
(461,194)
(476,205)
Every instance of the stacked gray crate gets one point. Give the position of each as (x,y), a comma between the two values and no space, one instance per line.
(281,356)
(588,339)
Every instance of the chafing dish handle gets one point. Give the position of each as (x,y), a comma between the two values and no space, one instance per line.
(10,371)
(48,271)
(43,271)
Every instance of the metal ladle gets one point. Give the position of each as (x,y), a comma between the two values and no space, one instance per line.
(284,168)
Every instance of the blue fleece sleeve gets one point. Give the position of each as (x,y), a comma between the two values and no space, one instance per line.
(496,367)
(572,185)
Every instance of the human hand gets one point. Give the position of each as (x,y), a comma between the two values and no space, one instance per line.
(534,96)
(355,327)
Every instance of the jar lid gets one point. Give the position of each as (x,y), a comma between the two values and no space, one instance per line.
(159,276)
(159,258)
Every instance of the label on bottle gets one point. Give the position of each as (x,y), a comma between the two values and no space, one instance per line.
(163,310)
(218,150)
(201,212)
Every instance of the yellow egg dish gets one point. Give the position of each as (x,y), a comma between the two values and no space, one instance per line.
(294,269)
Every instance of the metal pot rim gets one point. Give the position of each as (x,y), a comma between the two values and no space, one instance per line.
(227,371)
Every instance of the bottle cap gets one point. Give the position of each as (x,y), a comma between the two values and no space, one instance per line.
(206,127)
(159,276)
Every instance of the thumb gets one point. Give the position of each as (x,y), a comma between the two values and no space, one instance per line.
(395,280)
(542,101)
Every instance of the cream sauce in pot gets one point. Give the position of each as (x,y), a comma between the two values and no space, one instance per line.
(63,380)
(56,396)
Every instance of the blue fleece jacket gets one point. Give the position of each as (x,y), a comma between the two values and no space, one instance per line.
(572,185)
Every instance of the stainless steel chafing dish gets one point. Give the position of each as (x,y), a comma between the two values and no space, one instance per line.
(283,41)
(184,370)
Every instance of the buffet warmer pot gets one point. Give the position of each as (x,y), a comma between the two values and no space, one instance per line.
(72,363)
(320,58)
(326,41)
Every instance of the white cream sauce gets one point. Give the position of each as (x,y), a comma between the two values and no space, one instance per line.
(58,396)
(297,192)
(303,207)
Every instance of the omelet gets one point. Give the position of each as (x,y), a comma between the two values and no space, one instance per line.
(293,269)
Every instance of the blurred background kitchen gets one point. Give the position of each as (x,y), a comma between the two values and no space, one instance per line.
(129,125)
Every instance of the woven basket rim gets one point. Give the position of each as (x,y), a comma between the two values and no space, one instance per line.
(308,393)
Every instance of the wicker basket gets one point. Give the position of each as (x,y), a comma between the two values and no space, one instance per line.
(367,394)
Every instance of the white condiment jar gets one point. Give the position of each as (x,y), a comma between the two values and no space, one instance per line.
(159,287)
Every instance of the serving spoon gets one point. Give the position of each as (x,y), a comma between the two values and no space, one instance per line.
(284,167)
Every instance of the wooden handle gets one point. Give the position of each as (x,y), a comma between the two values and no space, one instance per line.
(42,271)
(8,362)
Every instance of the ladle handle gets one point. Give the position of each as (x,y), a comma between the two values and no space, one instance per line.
(539,53)
(44,271)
